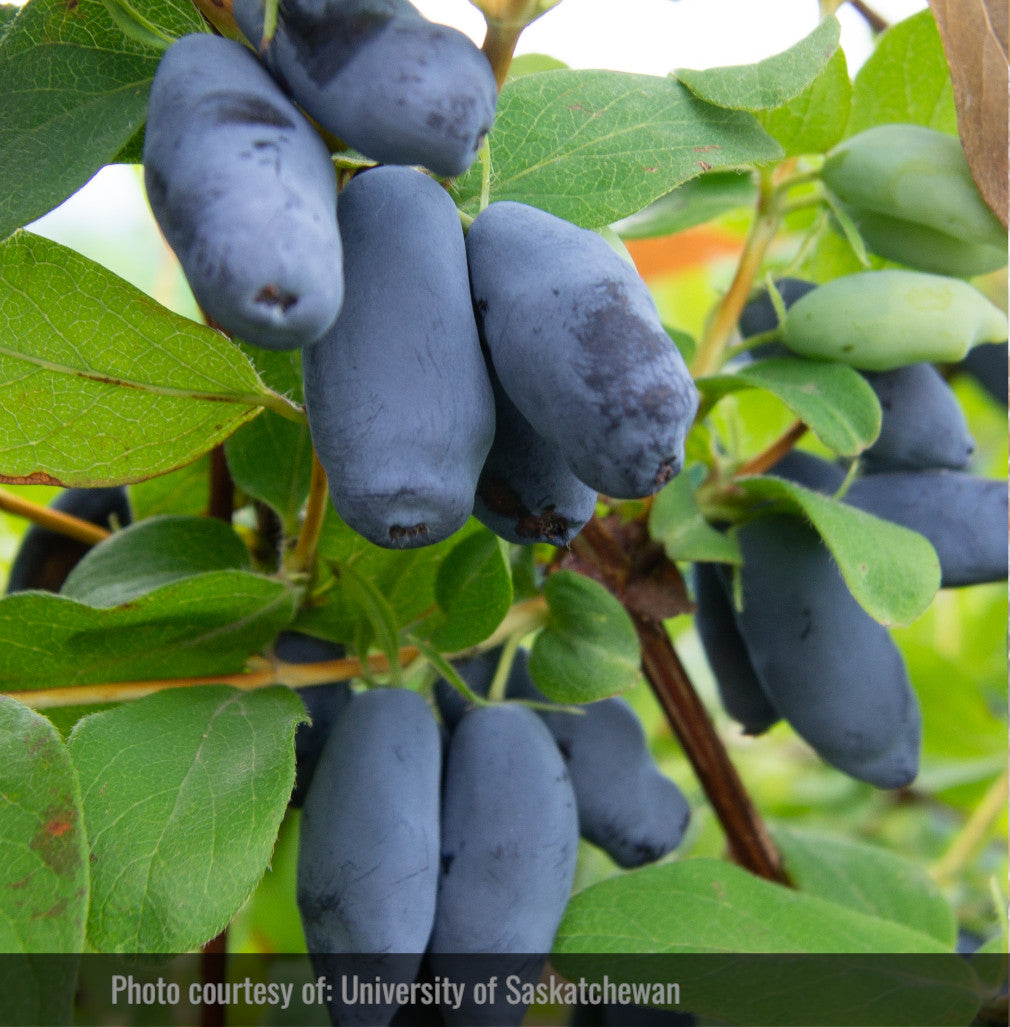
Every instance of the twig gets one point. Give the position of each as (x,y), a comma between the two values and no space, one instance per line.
(750,845)
(264,674)
(55,520)
(773,453)
(521,619)
(766,221)
(304,554)
(221,501)
(876,22)
(749,842)
(213,967)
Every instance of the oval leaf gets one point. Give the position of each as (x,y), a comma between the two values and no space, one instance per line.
(707,906)
(868,879)
(833,400)
(589,649)
(203,625)
(693,203)
(596,146)
(183,792)
(74,92)
(43,869)
(676,521)
(893,573)
(100,385)
(474,591)
(153,553)
(43,850)
(771,82)
(270,459)
(815,120)
(905,79)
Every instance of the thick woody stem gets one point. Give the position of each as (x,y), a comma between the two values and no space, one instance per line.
(221,500)
(213,970)
(870,16)
(749,842)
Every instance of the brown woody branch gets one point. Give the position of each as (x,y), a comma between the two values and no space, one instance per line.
(650,588)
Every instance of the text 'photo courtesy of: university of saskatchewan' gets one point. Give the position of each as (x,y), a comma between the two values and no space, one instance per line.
(503,543)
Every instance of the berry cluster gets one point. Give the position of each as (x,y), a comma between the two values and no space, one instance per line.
(462,842)
(799,647)
(513,375)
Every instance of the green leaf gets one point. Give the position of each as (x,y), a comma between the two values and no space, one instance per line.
(684,341)
(141,24)
(676,521)
(203,625)
(43,869)
(474,592)
(380,615)
(406,578)
(152,553)
(183,793)
(868,879)
(596,146)
(815,120)
(99,384)
(589,648)
(707,906)
(185,491)
(8,12)
(281,369)
(693,203)
(531,63)
(835,401)
(270,459)
(843,221)
(43,849)
(74,91)
(771,82)
(905,79)
(893,573)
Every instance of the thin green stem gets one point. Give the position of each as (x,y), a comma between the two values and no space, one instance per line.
(499,683)
(752,342)
(303,556)
(805,204)
(280,405)
(850,477)
(972,836)
(711,352)
(55,520)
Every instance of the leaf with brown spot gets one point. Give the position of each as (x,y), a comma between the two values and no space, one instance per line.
(974,35)
(44,875)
